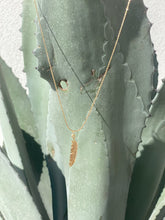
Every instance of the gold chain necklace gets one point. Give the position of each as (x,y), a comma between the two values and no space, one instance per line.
(74,145)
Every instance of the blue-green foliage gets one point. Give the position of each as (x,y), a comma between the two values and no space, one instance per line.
(79,37)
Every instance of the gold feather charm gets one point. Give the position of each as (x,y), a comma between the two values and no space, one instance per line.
(73,151)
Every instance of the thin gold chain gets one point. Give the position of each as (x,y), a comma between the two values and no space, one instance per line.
(102,81)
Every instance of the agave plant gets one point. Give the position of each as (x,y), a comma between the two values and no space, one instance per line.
(119,169)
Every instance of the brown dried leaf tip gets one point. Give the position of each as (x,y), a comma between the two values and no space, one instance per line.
(73,151)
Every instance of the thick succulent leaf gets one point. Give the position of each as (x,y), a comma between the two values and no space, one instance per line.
(147,182)
(88,180)
(135,43)
(58,187)
(38,91)
(8,136)
(155,76)
(58,138)
(21,148)
(97,140)
(161,214)
(126,120)
(40,171)
(155,123)
(74,39)
(159,210)
(160,131)
(19,100)
(115,142)
(44,188)
(35,155)
(15,200)
(38,88)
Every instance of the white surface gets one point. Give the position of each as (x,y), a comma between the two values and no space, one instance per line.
(10,36)
(156,15)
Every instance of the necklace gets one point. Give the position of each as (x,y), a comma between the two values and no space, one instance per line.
(74,145)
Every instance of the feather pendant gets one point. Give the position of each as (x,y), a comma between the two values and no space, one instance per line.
(73,151)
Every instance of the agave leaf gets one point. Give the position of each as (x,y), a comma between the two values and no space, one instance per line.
(158,212)
(35,155)
(38,88)
(147,181)
(8,136)
(126,120)
(59,138)
(97,140)
(161,214)
(38,91)
(160,131)
(40,171)
(44,188)
(152,160)
(117,139)
(74,39)
(72,62)
(58,190)
(23,206)
(135,43)
(20,146)
(155,123)
(19,100)
(87,181)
